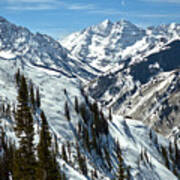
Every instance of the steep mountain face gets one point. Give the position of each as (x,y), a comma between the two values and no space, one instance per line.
(53,69)
(147,90)
(108,43)
(103,44)
(18,43)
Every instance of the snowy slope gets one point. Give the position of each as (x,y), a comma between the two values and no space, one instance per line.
(52,69)
(147,90)
(18,43)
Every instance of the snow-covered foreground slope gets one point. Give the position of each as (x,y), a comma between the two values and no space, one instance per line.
(105,44)
(52,73)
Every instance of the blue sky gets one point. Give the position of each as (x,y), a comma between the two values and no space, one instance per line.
(62,17)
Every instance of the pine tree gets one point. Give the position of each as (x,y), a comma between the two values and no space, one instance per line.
(121,170)
(128,173)
(64,155)
(177,154)
(38,100)
(47,165)
(17,77)
(6,157)
(81,161)
(32,99)
(110,114)
(83,113)
(24,161)
(108,159)
(67,113)
(165,156)
(150,134)
(76,105)
(56,145)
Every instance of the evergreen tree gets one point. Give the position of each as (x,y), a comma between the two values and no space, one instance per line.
(81,161)
(150,134)
(121,170)
(32,99)
(108,159)
(6,157)
(56,146)
(76,105)
(47,166)
(177,154)
(165,156)
(17,77)
(110,114)
(64,155)
(84,113)
(38,100)
(67,113)
(69,149)
(24,161)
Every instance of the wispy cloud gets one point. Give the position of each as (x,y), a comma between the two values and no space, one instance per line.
(31,1)
(158,15)
(106,12)
(163,1)
(31,7)
(23,5)
(80,7)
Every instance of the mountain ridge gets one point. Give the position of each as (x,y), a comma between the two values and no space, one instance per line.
(104,46)
(141,146)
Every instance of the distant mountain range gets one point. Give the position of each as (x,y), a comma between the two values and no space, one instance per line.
(108,43)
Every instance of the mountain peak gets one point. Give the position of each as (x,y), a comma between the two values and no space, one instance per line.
(2,19)
(124,22)
(106,22)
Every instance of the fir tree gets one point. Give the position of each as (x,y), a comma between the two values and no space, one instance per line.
(47,165)
(81,161)
(56,146)
(69,149)
(110,114)
(83,112)
(177,154)
(121,170)
(6,157)
(108,159)
(32,99)
(165,156)
(24,161)
(17,77)
(76,105)
(38,100)
(67,113)
(64,155)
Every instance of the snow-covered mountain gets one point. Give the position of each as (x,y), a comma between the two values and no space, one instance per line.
(18,43)
(53,69)
(147,90)
(108,43)
(130,58)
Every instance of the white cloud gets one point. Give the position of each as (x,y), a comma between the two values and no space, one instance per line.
(163,1)
(31,1)
(157,15)
(81,7)
(31,8)
(106,12)
(25,5)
